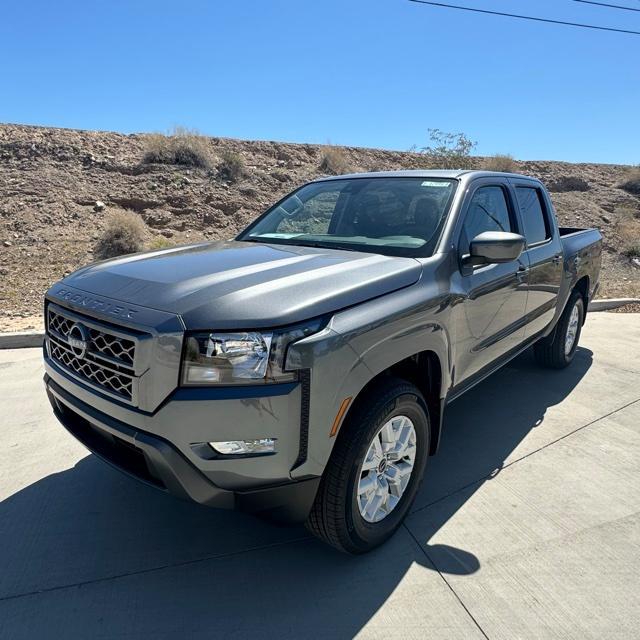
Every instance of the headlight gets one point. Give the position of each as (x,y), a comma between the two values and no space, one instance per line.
(248,357)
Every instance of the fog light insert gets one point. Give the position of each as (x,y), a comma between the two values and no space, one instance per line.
(245,447)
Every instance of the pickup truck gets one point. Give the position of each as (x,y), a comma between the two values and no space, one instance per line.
(301,371)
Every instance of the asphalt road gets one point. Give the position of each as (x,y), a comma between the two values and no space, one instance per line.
(527,526)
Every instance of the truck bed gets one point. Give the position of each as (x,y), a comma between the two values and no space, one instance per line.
(581,242)
(568,231)
(582,250)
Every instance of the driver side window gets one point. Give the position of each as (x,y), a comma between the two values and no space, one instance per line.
(488,211)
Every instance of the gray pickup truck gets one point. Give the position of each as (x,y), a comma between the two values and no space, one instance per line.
(302,370)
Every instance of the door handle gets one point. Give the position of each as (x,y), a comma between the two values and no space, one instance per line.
(557,259)
(521,272)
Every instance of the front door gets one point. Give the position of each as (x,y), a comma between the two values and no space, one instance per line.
(490,319)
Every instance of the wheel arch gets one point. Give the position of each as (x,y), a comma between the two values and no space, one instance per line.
(582,286)
(424,370)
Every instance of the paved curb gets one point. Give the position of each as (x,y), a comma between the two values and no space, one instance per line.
(611,303)
(23,339)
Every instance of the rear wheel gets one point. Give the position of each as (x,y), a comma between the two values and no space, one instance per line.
(375,469)
(558,349)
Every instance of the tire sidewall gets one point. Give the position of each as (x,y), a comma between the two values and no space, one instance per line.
(367,535)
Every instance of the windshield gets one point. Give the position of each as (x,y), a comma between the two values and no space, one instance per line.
(391,216)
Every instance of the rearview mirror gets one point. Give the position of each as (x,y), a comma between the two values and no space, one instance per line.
(291,207)
(491,247)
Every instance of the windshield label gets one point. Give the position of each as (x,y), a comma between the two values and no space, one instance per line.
(429,183)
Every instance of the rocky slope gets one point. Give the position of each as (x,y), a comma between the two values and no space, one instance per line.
(51,179)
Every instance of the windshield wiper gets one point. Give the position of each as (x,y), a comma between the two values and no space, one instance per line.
(301,243)
(325,245)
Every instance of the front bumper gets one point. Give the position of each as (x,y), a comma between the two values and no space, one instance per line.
(262,484)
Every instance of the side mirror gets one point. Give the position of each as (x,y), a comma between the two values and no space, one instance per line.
(491,247)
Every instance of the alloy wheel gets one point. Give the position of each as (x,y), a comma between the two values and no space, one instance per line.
(386,469)
(572,330)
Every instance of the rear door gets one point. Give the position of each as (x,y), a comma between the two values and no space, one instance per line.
(543,251)
(489,320)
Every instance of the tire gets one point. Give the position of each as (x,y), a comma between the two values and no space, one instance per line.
(552,351)
(336,516)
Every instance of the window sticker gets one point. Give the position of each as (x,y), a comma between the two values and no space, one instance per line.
(430,183)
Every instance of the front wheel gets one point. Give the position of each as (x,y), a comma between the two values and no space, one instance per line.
(558,349)
(375,469)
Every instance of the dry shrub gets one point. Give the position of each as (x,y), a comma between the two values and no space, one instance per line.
(231,166)
(568,183)
(249,191)
(333,161)
(631,184)
(626,212)
(281,176)
(448,150)
(500,162)
(123,234)
(158,243)
(184,147)
(629,231)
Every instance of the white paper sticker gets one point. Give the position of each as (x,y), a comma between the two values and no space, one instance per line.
(429,183)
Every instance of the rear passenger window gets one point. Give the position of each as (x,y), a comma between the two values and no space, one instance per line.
(534,219)
(488,211)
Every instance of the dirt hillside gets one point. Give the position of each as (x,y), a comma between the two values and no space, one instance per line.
(51,180)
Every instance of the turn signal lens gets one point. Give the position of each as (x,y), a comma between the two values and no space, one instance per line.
(338,419)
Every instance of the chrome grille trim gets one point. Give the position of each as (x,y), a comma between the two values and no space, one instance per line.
(114,381)
(114,348)
(111,361)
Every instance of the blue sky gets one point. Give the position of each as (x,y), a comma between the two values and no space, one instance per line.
(374,73)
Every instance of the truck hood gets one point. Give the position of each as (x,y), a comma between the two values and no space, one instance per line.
(243,285)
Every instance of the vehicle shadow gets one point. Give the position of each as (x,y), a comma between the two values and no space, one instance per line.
(88,552)
(482,429)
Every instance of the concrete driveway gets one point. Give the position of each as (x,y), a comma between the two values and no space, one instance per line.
(527,526)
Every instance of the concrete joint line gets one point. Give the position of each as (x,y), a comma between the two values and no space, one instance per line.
(453,591)
(118,576)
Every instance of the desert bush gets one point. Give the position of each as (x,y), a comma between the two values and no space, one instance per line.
(231,166)
(628,229)
(281,176)
(248,191)
(625,212)
(631,184)
(159,242)
(500,162)
(334,161)
(123,234)
(448,150)
(633,251)
(568,183)
(181,147)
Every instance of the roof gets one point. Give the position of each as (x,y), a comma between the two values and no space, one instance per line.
(422,173)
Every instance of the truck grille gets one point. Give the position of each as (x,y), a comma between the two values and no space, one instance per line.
(117,382)
(108,344)
(106,359)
